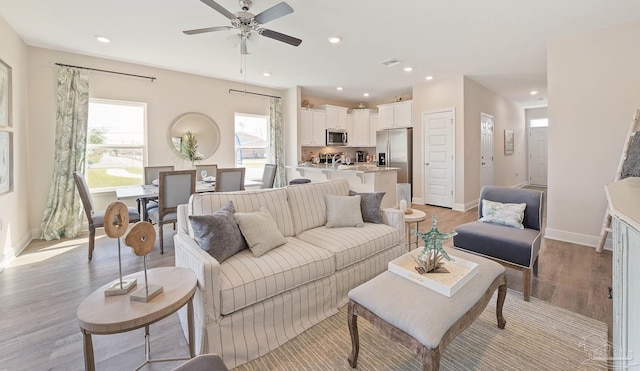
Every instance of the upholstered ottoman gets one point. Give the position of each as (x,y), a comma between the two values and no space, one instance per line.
(419,318)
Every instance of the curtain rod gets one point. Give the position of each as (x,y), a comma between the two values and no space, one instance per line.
(252,93)
(107,71)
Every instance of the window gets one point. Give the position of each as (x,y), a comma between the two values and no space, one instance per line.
(539,123)
(115,143)
(252,144)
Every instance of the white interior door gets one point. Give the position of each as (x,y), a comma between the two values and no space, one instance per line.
(486,150)
(538,156)
(438,149)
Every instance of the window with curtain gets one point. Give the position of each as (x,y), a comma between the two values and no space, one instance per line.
(115,144)
(251,143)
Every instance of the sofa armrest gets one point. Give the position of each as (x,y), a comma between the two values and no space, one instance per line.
(206,302)
(394,218)
(183,219)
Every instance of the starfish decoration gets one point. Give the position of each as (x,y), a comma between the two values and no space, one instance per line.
(433,251)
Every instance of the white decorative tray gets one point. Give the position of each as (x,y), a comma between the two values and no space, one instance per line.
(460,272)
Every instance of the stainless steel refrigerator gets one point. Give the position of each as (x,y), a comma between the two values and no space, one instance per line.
(394,148)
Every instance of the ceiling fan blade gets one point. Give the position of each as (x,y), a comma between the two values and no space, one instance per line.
(217,7)
(280,37)
(208,29)
(275,12)
(243,46)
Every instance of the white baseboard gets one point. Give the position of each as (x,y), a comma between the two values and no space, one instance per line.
(416,200)
(577,238)
(18,248)
(466,206)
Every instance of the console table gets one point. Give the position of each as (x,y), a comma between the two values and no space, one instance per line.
(624,204)
(102,315)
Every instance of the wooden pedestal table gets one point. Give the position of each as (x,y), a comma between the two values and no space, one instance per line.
(102,315)
(416,217)
(422,319)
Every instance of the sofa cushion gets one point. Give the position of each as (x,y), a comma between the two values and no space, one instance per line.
(218,234)
(343,211)
(351,245)
(507,214)
(260,231)
(370,205)
(245,280)
(308,207)
(497,241)
(246,202)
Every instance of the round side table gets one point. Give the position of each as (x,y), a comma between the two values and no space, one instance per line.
(99,314)
(415,217)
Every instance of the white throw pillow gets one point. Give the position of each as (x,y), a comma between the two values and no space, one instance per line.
(343,211)
(510,215)
(260,231)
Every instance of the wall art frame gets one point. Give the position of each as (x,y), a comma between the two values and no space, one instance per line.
(508,142)
(6,161)
(5,94)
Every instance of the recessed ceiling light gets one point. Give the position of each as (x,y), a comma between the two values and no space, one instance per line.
(366,94)
(102,39)
(429,77)
(533,92)
(267,74)
(334,39)
(408,69)
(339,88)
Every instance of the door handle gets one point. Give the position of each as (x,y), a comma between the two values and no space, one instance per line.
(426,163)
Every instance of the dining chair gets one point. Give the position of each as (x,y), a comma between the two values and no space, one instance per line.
(174,188)
(95,218)
(151,173)
(269,175)
(229,180)
(211,170)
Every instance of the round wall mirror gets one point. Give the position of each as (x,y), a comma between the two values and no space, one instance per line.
(201,126)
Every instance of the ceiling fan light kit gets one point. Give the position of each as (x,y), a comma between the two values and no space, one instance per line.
(247,23)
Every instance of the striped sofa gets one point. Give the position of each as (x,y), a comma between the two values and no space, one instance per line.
(246,307)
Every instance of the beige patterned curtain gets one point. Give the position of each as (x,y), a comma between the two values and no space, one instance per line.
(63,214)
(276,141)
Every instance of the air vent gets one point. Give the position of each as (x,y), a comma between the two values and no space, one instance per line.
(391,62)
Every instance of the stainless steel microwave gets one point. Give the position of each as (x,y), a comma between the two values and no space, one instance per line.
(337,137)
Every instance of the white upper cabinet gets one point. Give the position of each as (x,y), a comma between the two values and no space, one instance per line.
(361,136)
(336,116)
(312,127)
(374,125)
(396,115)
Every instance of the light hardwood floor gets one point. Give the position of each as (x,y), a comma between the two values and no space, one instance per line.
(42,288)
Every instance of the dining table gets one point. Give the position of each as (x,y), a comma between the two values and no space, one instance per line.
(147,192)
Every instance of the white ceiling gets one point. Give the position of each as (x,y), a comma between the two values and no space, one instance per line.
(501,44)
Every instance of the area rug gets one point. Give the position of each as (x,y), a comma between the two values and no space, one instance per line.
(538,336)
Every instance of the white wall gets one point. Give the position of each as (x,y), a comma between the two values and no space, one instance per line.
(508,170)
(594,88)
(172,94)
(15,233)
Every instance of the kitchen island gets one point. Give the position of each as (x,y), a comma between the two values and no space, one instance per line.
(362,178)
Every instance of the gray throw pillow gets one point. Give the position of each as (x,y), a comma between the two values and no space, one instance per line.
(260,231)
(218,234)
(343,211)
(370,205)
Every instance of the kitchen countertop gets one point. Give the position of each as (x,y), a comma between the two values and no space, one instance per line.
(358,168)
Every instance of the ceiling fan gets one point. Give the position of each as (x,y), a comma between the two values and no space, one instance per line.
(247,24)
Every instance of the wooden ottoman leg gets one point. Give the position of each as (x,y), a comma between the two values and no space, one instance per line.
(502,294)
(430,359)
(352,320)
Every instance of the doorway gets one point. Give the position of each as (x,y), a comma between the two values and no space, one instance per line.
(438,148)
(486,150)
(538,155)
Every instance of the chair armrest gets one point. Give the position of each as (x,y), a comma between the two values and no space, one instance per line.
(394,218)
(206,302)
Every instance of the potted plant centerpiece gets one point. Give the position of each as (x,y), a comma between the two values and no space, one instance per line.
(430,259)
(189,148)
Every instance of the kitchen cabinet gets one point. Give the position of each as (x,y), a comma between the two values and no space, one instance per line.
(374,125)
(336,117)
(361,136)
(312,127)
(396,115)
(624,204)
